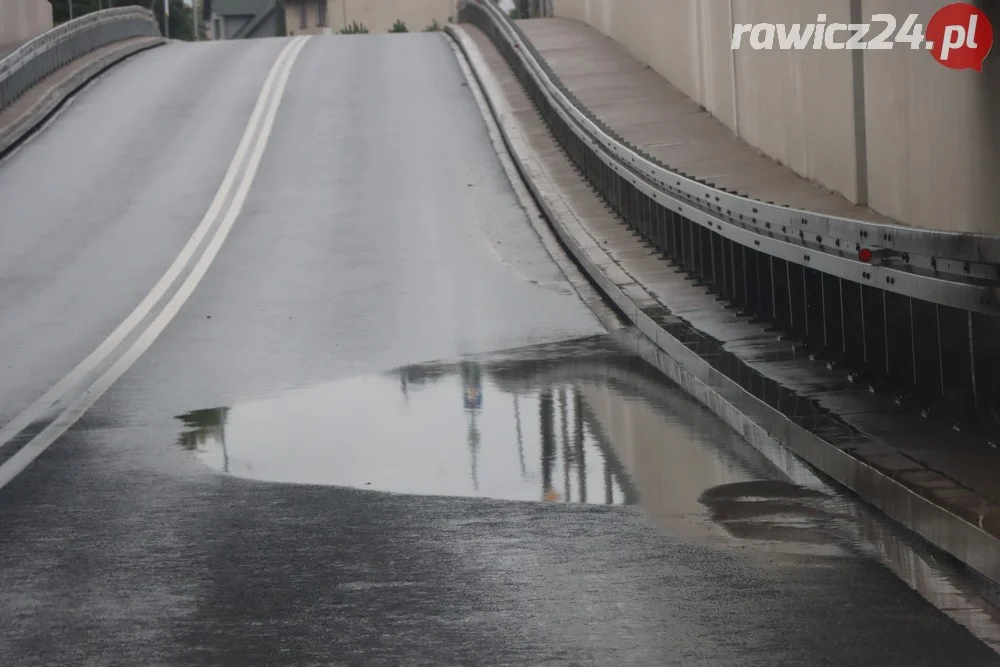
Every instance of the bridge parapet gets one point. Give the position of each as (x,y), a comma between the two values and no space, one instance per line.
(60,46)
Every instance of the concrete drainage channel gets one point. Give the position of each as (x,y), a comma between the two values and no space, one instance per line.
(767,429)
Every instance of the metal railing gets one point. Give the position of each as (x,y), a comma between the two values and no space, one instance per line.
(58,47)
(915,312)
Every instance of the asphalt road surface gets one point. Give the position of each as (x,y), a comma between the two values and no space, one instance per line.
(382,428)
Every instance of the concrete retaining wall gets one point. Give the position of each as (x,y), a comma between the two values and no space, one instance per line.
(894,130)
(21,20)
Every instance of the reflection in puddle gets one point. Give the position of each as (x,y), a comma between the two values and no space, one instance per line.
(771,511)
(447,430)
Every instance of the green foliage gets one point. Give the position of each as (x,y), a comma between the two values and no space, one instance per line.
(514,14)
(398,26)
(354,28)
(433,27)
(282,29)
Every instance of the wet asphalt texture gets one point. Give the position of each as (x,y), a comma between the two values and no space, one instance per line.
(380,235)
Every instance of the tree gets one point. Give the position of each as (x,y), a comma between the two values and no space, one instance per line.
(282,24)
(181,26)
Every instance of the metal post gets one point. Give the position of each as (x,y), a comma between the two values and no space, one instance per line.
(70,10)
(166,18)
(343,6)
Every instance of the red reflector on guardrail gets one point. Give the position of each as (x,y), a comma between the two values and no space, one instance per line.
(865,255)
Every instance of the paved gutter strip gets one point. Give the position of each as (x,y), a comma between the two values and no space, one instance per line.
(949,516)
(31,110)
(574,273)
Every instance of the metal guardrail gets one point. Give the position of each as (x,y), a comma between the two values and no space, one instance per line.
(954,269)
(58,47)
(920,317)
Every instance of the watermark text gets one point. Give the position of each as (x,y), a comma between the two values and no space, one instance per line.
(958,36)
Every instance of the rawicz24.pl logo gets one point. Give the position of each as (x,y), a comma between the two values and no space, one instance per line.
(959,36)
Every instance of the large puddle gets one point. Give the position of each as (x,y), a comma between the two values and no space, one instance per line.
(450,431)
(577,422)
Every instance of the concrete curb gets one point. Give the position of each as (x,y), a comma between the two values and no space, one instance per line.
(771,432)
(23,127)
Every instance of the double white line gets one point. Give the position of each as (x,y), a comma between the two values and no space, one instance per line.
(226,206)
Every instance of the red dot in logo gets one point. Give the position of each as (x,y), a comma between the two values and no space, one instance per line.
(960,36)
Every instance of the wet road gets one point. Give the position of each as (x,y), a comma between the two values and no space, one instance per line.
(383,429)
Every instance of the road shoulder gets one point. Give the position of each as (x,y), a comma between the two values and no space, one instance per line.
(31,110)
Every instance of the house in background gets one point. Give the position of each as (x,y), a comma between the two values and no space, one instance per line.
(307,17)
(243,19)
(379,15)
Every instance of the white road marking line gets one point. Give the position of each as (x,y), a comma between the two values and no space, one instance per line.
(24,457)
(58,391)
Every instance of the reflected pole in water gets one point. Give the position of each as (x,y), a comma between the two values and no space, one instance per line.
(520,438)
(474,448)
(609,488)
(564,433)
(581,460)
(472,397)
(548,440)
(222,437)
